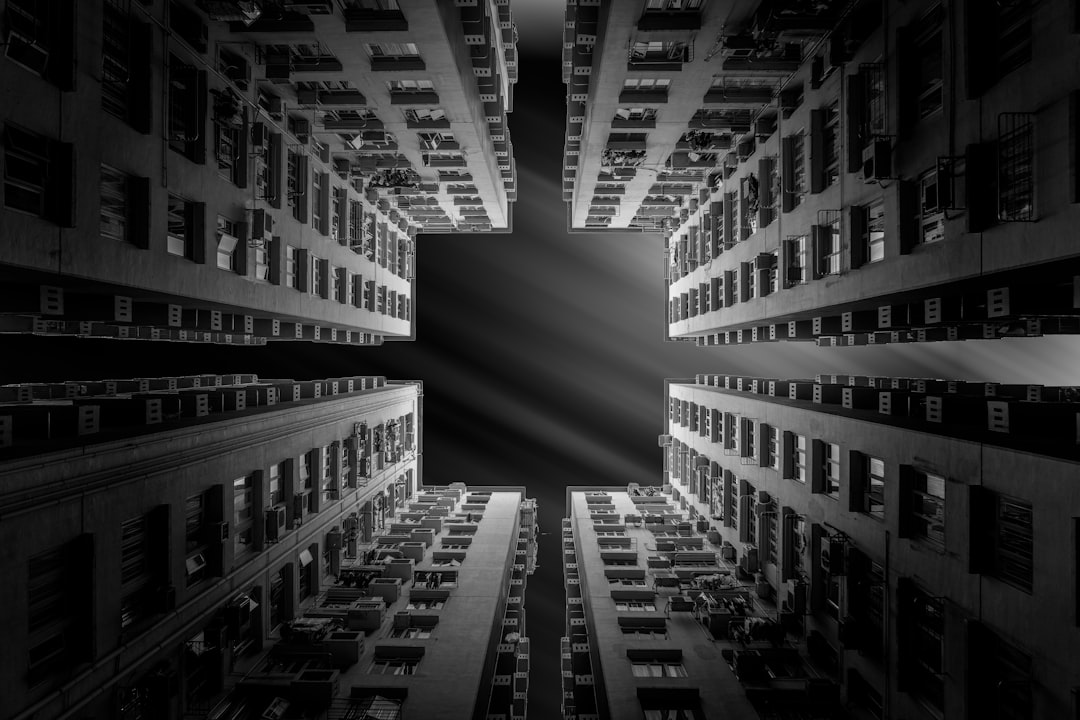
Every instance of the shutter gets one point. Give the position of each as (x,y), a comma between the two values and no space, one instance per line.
(60,190)
(787,200)
(744,282)
(981,197)
(139,95)
(196,225)
(982,513)
(157,549)
(342,285)
(857,237)
(788,455)
(324,203)
(855,116)
(817,150)
(303,181)
(729,288)
(817,466)
(765,198)
(276,249)
(343,215)
(856,481)
(243,253)
(303,270)
(905,486)
(906,639)
(242,151)
(907,76)
(324,278)
(981,64)
(763,444)
(138,211)
(201,94)
(274,165)
(716,225)
(820,237)
(729,220)
(715,298)
(910,213)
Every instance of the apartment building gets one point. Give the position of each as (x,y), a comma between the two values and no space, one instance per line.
(238,172)
(162,532)
(841,172)
(913,538)
(631,648)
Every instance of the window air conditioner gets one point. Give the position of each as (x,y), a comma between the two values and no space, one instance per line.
(764,498)
(300,506)
(217,532)
(748,561)
(275,523)
(663,440)
(877,160)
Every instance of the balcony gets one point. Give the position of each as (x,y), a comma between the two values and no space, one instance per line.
(359,19)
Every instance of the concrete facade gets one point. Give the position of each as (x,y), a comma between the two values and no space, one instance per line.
(144,563)
(922,558)
(181,170)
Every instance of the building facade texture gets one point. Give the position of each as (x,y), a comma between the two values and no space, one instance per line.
(226,171)
(913,538)
(171,534)
(845,172)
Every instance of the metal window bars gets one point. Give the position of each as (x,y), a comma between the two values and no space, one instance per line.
(1016,167)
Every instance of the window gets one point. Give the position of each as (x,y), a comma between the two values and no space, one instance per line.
(634,115)
(395,56)
(931,207)
(830,469)
(999,42)
(411,633)
(671,714)
(303,469)
(830,145)
(243,515)
(227,234)
(187,110)
(926,499)
(293,272)
(645,668)
(394,666)
(195,519)
(794,176)
(135,572)
(873,233)
(425,115)
(183,226)
(410,86)
(276,473)
(315,285)
(862,694)
(1016,167)
(328,483)
(772,447)
(634,606)
(425,604)
(673,5)
(926,65)
(1002,542)
(796,271)
(868,496)
(650,52)
(999,676)
(646,86)
(59,609)
(797,456)
(296,185)
(922,645)
(37,175)
(114,199)
(229,149)
(829,250)
(116,61)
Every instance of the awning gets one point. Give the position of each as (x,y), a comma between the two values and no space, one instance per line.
(305,558)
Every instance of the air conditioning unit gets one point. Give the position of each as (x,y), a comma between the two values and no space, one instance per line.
(764,498)
(302,129)
(262,226)
(278,70)
(663,440)
(276,108)
(275,523)
(877,160)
